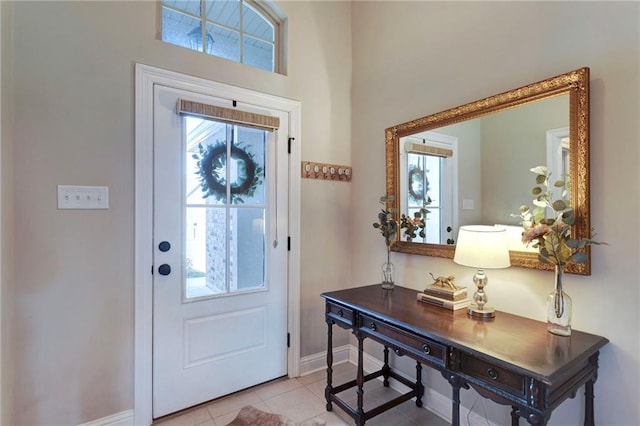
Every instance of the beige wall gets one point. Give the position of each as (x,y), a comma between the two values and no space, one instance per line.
(6,224)
(412,59)
(73,65)
(469,135)
(73,124)
(513,142)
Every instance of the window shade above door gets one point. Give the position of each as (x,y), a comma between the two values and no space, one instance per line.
(427,150)
(228,115)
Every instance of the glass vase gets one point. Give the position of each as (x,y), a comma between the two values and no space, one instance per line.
(559,307)
(387,273)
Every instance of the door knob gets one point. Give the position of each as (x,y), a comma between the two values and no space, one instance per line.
(164,269)
(164,246)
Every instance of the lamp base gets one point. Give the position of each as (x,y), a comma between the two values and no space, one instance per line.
(483,313)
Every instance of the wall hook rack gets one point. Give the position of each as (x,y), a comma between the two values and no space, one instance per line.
(324,171)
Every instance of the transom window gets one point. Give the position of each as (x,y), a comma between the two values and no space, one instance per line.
(243,31)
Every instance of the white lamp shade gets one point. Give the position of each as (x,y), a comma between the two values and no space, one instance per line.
(484,247)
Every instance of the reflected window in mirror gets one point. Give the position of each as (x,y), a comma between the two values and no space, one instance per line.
(428,162)
(558,155)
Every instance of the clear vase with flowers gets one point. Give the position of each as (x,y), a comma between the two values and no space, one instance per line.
(552,237)
(388,228)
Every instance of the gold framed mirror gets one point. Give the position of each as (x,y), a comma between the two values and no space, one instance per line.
(482,153)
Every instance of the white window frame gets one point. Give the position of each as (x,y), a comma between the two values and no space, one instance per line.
(557,155)
(557,145)
(267,10)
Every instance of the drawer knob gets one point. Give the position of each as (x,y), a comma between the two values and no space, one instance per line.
(340,313)
(426,349)
(372,326)
(492,373)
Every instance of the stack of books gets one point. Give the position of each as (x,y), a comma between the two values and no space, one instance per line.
(445,297)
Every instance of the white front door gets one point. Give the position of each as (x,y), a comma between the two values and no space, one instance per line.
(219,254)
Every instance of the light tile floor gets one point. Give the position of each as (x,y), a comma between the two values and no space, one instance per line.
(302,399)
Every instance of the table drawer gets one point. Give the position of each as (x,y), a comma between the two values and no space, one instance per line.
(340,314)
(403,342)
(494,376)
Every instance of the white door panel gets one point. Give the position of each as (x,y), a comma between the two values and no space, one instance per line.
(220,314)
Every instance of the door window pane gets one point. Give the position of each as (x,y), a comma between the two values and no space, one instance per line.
(247,168)
(247,249)
(424,191)
(206,251)
(202,138)
(225,210)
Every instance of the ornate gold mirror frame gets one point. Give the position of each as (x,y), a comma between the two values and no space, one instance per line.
(576,85)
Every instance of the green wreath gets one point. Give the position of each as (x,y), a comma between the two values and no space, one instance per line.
(418,193)
(211,162)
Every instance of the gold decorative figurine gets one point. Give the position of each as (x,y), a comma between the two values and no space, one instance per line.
(443,289)
(444,282)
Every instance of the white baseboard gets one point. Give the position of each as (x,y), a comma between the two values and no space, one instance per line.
(316,362)
(124,418)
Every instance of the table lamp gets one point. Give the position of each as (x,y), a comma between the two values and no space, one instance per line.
(482,247)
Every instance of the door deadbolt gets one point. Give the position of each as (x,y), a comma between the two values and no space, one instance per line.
(164,269)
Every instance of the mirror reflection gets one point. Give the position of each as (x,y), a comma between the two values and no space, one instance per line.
(470,165)
(458,172)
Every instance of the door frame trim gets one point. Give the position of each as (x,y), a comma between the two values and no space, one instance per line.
(145,78)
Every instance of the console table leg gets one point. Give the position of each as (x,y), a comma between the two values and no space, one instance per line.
(327,390)
(419,387)
(515,416)
(360,382)
(588,404)
(455,406)
(385,368)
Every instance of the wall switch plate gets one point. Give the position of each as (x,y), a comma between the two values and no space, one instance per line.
(83,197)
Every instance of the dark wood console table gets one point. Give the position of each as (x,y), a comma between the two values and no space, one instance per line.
(510,359)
